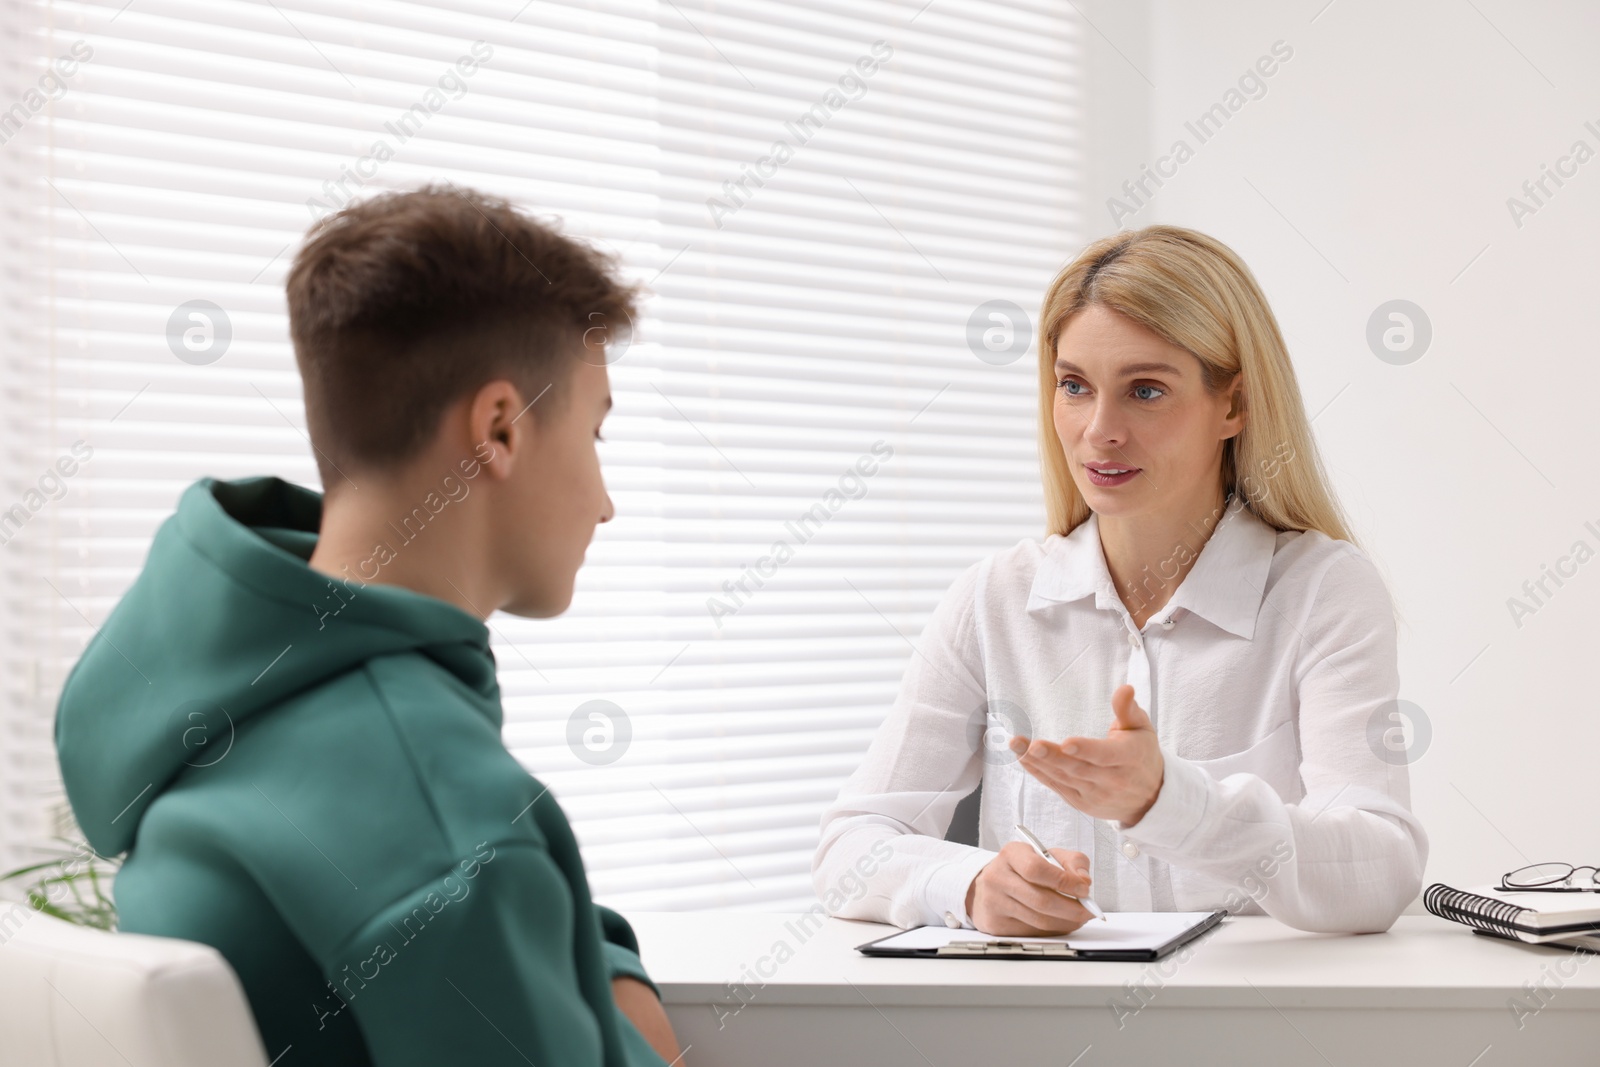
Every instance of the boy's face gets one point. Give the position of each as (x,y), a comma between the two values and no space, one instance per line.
(556,494)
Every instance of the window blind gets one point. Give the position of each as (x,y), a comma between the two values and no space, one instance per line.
(824,414)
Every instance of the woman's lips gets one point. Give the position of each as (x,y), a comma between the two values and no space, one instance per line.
(1111,480)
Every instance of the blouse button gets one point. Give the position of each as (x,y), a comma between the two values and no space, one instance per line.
(1130,850)
(951,921)
(1133,639)
(1166,623)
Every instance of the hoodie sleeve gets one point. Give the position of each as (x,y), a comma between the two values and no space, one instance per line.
(622,948)
(488,975)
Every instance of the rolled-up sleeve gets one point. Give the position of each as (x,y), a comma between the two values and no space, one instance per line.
(882,855)
(1349,855)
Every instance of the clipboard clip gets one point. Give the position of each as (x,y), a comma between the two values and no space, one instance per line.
(1007,948)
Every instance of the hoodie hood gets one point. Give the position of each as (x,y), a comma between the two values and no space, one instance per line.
(226,621)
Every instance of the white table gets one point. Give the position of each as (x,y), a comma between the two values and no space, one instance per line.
(753,989)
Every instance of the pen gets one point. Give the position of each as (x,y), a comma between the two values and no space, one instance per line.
(1038,846)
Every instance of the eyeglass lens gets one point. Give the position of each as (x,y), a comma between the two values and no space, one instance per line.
(1543,874)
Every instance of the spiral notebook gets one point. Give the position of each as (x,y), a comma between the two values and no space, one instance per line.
(1532,917)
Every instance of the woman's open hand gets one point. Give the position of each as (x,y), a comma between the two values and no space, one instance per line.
(1116,777)
(1021,894)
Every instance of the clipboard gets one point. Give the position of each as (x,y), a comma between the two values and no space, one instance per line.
(1129,936)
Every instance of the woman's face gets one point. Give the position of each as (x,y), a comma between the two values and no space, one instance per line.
(1128,400)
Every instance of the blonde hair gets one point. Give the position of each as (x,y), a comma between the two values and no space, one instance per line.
(1193,291)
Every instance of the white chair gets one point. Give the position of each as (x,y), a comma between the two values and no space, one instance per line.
(71,996)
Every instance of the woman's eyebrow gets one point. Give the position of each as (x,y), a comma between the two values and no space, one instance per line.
(1128,371)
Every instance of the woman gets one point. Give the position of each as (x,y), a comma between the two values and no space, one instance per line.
(1180,688)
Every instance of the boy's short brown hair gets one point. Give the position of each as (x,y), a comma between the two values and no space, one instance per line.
(402,304)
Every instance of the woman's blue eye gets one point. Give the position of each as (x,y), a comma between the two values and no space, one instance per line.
(1063,383)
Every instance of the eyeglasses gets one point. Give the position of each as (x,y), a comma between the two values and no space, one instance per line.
(1552,878)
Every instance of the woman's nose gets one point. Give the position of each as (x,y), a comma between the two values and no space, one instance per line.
(1104,426)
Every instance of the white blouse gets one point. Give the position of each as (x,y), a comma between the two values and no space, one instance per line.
(1270,676)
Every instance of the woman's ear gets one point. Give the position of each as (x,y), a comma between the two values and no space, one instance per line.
(1236,406)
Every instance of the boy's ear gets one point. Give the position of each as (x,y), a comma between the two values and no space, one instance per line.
(498,426)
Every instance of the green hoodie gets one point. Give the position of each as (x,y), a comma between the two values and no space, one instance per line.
(309,775)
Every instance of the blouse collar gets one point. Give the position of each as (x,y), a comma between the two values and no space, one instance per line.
(1224,586)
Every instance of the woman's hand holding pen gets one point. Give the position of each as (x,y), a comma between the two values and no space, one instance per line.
(1022,894)
(1116,777)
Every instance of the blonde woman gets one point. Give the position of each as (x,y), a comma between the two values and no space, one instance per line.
(1179,689)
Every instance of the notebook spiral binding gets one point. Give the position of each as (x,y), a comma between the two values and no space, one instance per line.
(1485,913)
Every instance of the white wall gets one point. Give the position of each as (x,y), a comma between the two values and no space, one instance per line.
(1377,165)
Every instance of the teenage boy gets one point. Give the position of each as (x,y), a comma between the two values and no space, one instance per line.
(291,722)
